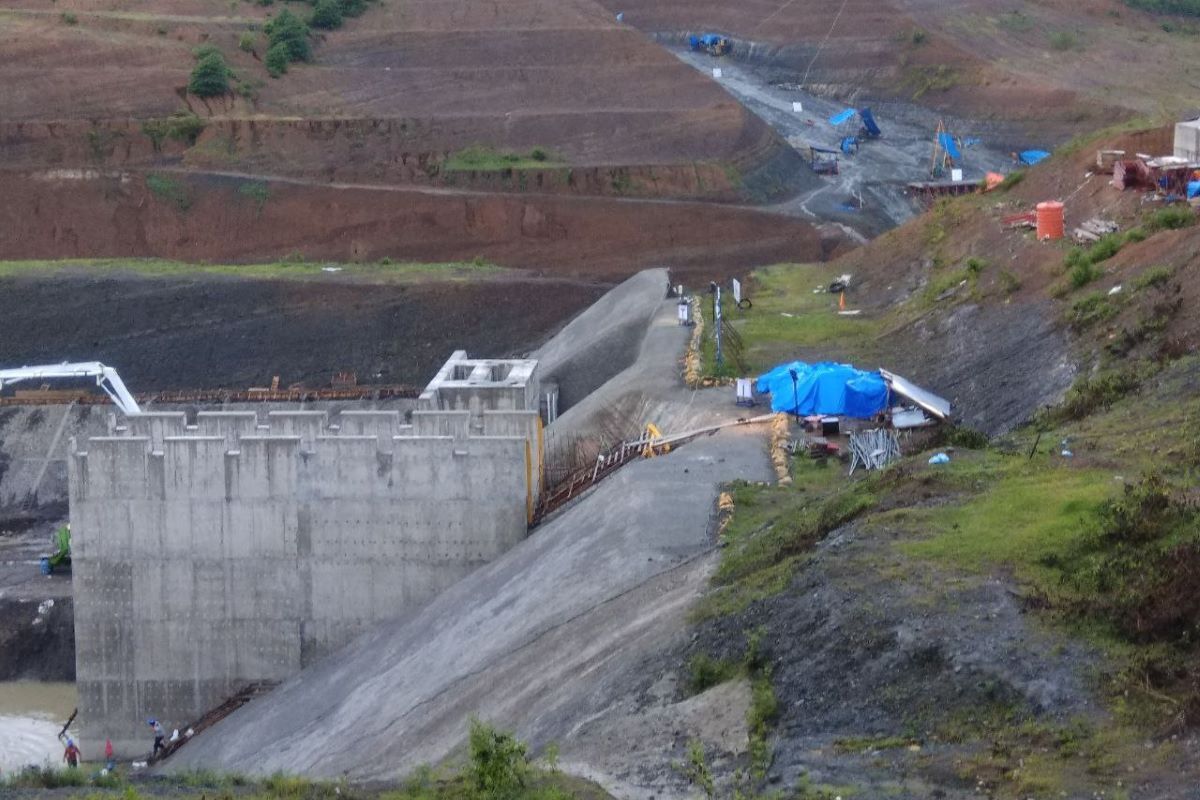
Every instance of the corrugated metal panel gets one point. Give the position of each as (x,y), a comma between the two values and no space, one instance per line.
(938,406)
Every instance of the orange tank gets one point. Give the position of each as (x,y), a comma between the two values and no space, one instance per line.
(1050,221)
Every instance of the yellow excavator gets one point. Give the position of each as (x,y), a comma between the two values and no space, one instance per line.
(654,442)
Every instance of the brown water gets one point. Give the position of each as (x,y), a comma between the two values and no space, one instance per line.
(31,715)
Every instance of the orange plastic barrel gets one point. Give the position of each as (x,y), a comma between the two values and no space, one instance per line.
(1050,221)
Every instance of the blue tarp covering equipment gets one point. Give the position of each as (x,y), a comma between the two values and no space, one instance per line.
(1193,189)
(841,390)
(950,146)
(838,119)
(714,43)
(1031,157)
(825,388)
(869,124)
(849,144)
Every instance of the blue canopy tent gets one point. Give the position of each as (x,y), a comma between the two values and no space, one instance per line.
(950,146)
(825,388)
(1031,157)
(841,117)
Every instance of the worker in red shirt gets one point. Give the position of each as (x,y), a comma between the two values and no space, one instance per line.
(71,755)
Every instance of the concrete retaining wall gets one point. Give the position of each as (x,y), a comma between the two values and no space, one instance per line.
(207,557)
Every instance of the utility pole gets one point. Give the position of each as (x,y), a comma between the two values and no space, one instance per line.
(715,288)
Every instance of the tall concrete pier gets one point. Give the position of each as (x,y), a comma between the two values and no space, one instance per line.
(237,549)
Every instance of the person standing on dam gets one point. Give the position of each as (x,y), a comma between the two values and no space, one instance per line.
(71,755)
(158,737)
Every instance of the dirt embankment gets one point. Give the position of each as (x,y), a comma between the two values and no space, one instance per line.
(193,217)
(746,160)
(386,97)
(215,332)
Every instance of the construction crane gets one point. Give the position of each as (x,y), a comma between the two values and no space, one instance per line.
(106,378)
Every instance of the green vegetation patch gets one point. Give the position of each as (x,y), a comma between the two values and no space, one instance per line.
(170,190)
(294,268)
(181,126)
(771,532)
(211,75)
(497,766)
(1027,513)
(786,321)
(1184,8)
(486,159)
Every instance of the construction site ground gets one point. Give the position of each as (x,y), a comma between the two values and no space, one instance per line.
(869,194)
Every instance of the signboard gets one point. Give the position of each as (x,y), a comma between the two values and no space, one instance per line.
(737,291)
(797,107)
(717,72)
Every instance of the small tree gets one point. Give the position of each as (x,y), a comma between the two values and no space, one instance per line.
(499,764)
(277,59)
(327,14)
(292,32)
(352,8)
(210,78)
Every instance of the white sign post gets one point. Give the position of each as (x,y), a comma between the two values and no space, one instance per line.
(797,107)
(737,291)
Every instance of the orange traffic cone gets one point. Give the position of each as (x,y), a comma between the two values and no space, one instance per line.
(842,301)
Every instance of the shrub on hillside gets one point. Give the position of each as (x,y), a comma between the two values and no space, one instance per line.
(291,32)
(210,78)
(499,766)
(353,8)
(1171,218)
(277,59)
(1190,8)
(326,14)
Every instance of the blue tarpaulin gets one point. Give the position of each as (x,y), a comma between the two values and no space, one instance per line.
(849,144)
(950,146)
(1193,189)
(1031,157)
(824,388)
(838,119)
(869,123)
(707,40)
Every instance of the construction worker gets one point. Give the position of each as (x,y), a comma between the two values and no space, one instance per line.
(110,763)
(71,755)
(158,736)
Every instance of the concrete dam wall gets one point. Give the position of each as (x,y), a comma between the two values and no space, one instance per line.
(212,556)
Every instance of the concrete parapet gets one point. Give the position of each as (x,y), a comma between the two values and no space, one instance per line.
(308,425)
(384,424)
(456,424)
(228,424)
(156,425)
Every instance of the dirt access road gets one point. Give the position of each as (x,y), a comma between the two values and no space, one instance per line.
(868,195)
(1046,68)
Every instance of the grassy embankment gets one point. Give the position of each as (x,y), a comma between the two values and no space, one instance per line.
(1104,542)
(496,766)
(787,321)
(487,159)
(292,268)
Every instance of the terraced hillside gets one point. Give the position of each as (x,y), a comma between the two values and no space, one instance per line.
(1052,67)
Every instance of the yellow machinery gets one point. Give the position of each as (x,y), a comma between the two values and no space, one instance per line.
(653,439)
